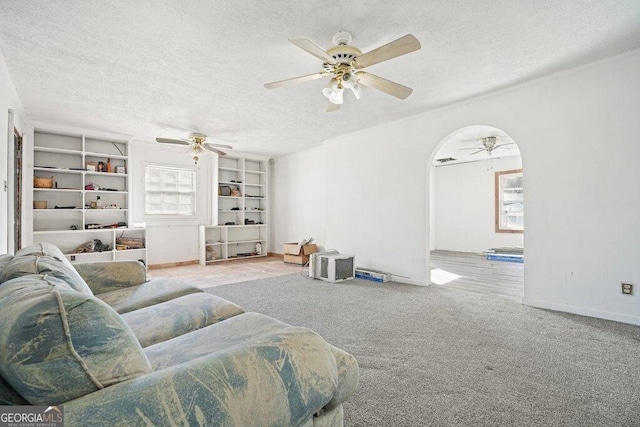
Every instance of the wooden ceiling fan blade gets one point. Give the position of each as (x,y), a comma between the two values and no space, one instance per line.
(384,85)
(391,50)
(332,107)
(312,48)
(215,150)
(172,141)
(295,80)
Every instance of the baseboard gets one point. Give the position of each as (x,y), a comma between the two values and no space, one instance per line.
(407,281)
(583,311)
(172,264)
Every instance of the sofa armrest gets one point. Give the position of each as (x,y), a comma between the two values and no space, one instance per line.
(109,276)
(282,378)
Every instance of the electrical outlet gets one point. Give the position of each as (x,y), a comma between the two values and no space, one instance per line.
(627,288)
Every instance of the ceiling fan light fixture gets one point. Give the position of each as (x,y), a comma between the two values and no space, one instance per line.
(196,144)
(334,92)
(357,91)
(337,96)
(346,63)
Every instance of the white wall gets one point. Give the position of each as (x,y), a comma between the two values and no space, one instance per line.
(170,240)
(465,206)
(299,199)
(578,135)
(8,101)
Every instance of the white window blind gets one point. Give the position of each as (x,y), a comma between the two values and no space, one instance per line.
(169,191)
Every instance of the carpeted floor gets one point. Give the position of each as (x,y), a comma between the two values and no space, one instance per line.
(433,356)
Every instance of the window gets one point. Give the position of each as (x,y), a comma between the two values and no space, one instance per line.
(169,191)
(509,202)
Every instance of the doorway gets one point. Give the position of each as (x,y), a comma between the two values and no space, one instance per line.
(17,190)
(470,248)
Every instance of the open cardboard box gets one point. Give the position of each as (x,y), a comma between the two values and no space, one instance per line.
(295,253)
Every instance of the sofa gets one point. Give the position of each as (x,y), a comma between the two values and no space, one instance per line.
(115,348)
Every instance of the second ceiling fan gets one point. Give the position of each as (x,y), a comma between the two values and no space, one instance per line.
(345,65)
(197,144)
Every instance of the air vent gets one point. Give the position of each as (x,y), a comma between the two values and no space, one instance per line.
(448,159)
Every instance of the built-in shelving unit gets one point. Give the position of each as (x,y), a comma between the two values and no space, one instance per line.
(241,211)
(85,194)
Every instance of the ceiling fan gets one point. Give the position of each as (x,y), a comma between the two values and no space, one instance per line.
(196,143)
(345,65)
(489,144)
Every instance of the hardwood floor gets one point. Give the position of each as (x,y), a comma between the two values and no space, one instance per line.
(225,272)
(474,273)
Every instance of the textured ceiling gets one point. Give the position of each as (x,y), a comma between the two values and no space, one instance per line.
(160,68)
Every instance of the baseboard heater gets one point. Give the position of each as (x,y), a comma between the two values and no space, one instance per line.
(506,258)
(373,275)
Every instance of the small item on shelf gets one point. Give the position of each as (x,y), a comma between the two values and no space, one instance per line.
(91,166)
(121,169)
(235,192)
(94,245)
(39,204)
(102,226)
(98,203)
(258,248)
(130,242)
(211,254)
(42,182)
(108,166)
(100,166)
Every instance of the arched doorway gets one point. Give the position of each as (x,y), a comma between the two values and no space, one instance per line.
(476,215)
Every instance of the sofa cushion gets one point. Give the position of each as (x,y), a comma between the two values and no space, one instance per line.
(44,258)
(243,330)
(149,293)
(36,264)
(170,319)
(4,260)
(8,396)
(220,336)
(57,344)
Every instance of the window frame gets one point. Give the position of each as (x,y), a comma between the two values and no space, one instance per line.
(193,192)
(499,201)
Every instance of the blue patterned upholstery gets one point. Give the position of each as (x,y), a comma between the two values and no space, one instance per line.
(44,258)
(170,319)
(57,344)
(172,356)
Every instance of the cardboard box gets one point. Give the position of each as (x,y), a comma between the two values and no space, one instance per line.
(294,253)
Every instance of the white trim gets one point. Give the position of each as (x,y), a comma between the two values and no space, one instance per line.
(407,281)
(583,311)
(8,180)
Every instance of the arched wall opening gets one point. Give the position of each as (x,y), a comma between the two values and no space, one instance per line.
(476,212)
